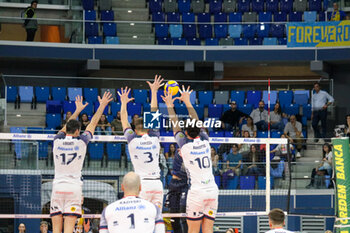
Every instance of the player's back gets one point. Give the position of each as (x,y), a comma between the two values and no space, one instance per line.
(279,230)
(130,214)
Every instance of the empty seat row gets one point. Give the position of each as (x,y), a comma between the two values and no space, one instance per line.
(103,5)
(108,29)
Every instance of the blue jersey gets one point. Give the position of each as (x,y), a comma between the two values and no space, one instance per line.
(179,169)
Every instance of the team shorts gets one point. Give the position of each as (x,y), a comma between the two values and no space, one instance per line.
(66,199)
(202,203)
(152,191)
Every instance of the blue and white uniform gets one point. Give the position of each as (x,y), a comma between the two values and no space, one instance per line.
(132,214)
(144,154)
(68,155)
(202,197)
(279,230)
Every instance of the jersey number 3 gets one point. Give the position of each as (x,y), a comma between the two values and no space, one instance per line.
(149,156)
(67,160)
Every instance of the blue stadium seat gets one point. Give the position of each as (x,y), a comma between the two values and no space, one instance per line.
(232,183)
(181,109)
(229,134)
(161,30)
(189,31)
(49,131)
(54,106)
(291,109)
(310,16)
(43,151)
(205,97)
(42,94)
(249,30)
(110,118)
(184,6)
(239,97)
(68,106)
(253,98)
(215,6)
(215,110)
(272,6)
(286,6)
(90,94)
(282,41)
(273,97)
(265,17)
(258,5)
(285,97)
(26,93)
(205,31)
(91,29)
(262,182)
(221,97)
(193,41)
(247,182)
(146,107)
(315,5)
(88,4)
(74,92)
(301,99)
(17,129)
(235,17)
(255,41)
(188,17)
(277,30)
(203,18)
(35,130)
(90,15)
(109,29)
(114,151)
(321,16)
(140,95)
(193,97)
(53,120)
(95,40)
(220,30)
(218,180)
(276,134)
(97,104)
(220,17)
(217,134)
(175,30)
(211,41)
(112,40)
(115,107)
(263,30)
(59,93)
(134,108)
(173,17)
(243,5)
(179,41)
(158,16)
(280,17)
(246,108)
(164,41)
(107,15)
(235,30)
(270,41)
(95,150)
(155,5)
(296,17)
(306,92)
(241,41)
(261,134)
(89,109)
(12,93)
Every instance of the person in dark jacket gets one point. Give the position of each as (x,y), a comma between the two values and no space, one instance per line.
(30,23)
(232,117)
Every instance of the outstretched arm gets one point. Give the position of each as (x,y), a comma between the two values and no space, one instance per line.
(185,97)
(154,90)
(79,106)
(124,98)
(169,101)
(104,101)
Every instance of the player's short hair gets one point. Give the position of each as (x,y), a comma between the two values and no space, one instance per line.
(72,126)
(139,124)
(276,217)
(192,130)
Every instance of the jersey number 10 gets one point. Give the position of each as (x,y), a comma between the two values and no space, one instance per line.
(204,162)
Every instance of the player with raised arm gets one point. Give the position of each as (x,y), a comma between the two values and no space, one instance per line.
(131,213)
(202,197)
(276,221)
(144,147)
(69,151)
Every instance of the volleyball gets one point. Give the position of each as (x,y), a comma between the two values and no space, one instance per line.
(171,87)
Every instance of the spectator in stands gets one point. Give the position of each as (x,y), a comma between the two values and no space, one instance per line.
(337,15)
(276,118)
(277,170)
(282,150)
(259,116)
(233,165)
(116,125)
(250,127)
(44,227)
(347,126)
(320,101)
(21,228)
(169,156)
(244,148)
(30,22)
(163,165)
(232,118)
(293,131)
(134,118)
(251,162)
(84,120)
(68,115)
(215,161)
(103,126)
(323,168)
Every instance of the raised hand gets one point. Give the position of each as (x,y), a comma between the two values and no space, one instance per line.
(106,98)
(168,99)
(157,83)
(124,95)
(79,103)
(185,94)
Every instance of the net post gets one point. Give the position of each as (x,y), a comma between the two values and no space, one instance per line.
(268,177)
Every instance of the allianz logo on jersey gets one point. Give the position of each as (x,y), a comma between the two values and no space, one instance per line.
(154,120)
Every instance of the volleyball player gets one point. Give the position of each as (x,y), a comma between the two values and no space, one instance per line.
(144,147)
(131,213)
(69,153)
(202,197)
(276,221)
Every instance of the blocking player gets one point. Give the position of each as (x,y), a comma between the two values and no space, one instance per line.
(144,147)
(202,197)
(276,221)
(131,213)
(69,153)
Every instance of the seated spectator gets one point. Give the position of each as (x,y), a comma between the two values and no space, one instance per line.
(68,115)
(103,126)
(276,118)
(215,162)
(233,165)
(163,166)
(250,127)
(277,170)
(44,227)
(244,148)
(116,125)
(84,120)
(21,228)
(169,156)
(232,118)
(134,117)
(337,15)
(251,162)
(259,116)
(282,150)
(293,131)
(324,168)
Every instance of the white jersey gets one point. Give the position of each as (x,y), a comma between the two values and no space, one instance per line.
(131,214)
(196,155)
(279,230)
(68,155)
(144,153)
